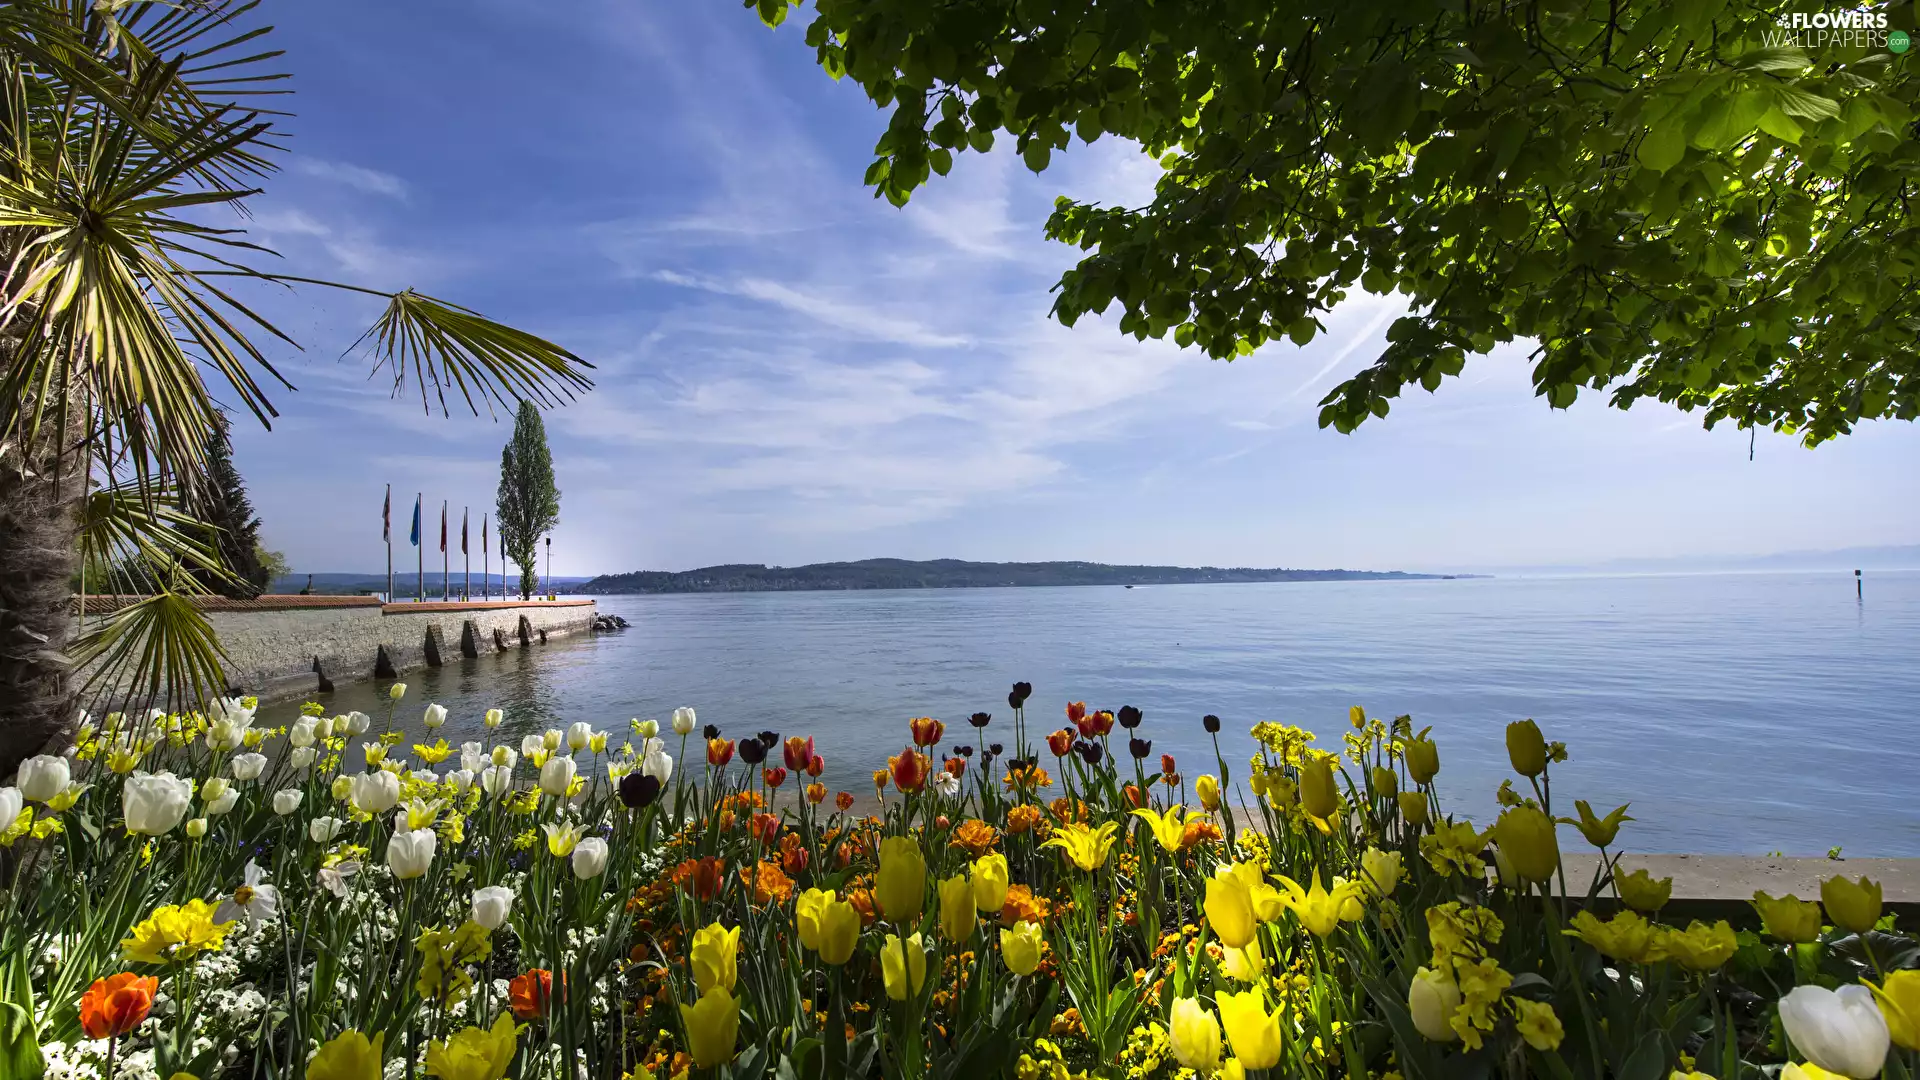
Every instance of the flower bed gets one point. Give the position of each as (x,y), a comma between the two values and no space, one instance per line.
(197,895)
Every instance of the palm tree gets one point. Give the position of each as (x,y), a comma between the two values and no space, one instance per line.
(125,127)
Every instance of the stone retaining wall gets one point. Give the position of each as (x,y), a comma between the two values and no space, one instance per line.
(284,646)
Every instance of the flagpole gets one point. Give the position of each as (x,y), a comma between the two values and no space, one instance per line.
(419,552)
(486,561)
(466,556)
(446,584)
(386,533)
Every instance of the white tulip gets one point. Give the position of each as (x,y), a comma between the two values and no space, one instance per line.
(1840,1030)
(646,729)
(215,788)
(323,727)
(216,807)
(396,691)
(41,778)
(425,776)
(683,721)
(472,756)
(303,732)
(589,858)
(322,830)
(497,780)
(249,766)
(532,744)
(153,803)
(505,757)
(357,723)
(436,715)
(303,757)
(657,764)
(1432,999)
(554,738)
(556,776)
(493,718)
(491,906)
(410,853)
(196,828)
(376,792)
(461,779)
(11,803)
(287,800)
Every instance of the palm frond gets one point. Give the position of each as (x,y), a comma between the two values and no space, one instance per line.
(135,535)
(160,650)
(448,347)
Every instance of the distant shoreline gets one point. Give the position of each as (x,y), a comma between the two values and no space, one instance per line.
(877,574)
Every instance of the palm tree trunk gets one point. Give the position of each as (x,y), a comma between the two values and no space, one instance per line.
(39,523)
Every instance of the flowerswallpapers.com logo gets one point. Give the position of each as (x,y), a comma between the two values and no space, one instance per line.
(1837,29)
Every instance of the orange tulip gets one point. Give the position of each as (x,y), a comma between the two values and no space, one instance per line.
(844,801)
(909,771)
(766,827)
(816,792)
(1166,764)
(530,993)
(879,779)
(799,752)
(1098,723)
(719,752)
(794,855)
(1060,742)
(955,766)
(927,731)
(113,1006)
(816,765)
(1076,712)
(774,777)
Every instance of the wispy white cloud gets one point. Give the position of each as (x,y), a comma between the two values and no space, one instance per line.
(360,178)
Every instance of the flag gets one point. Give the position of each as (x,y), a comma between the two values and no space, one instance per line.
(483,535)
(463,530)
(386,516)
(443,525)
(415,538)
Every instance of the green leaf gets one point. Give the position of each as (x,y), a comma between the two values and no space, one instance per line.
(1036,155)
(1797,102)
(1781,126)
(1664,145)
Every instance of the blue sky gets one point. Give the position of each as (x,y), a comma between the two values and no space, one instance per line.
(791,371)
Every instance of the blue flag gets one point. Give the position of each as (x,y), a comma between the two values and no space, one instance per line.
(415,538)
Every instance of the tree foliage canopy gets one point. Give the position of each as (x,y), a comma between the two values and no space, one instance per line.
(528,503)
(1676,199)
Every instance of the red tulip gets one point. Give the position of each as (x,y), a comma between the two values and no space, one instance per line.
(774,776)
(799,752)
(927,731)
(719,752)
(909,771)
(1060,742)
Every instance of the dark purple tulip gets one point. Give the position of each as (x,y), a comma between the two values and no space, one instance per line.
(638,790)
(964,751)
(752,751)
(1089,752)
(1211,723)
(996,749)
(979,719)
(1021,692)
(770,739)
(1128,716)
(711,731)
(1139,748)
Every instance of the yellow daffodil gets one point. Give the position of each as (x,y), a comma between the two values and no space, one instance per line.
(1194,1034)
(903,966)
(1423,757)
(348,1056)
(1167,827)
(1599,831)
(715,957)
(990,883)
(1526,748)
(1454,848)
(474,1054)
(1528,838)
(1700,947)
(432,755)
(901,885)
(1899,999)
(175,932)
(1789,918)
(1851,905)
(957,913)
(1320,911)
(1643,892)
(1086,847)
(1020,947)
(1627,936)
(1537,1024)
(444,956)
(713,1026)
(1253,1031)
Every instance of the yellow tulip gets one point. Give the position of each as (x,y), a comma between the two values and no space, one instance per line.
(1432,1000)
(1318,796)
(1789,918)
(1528,838)
(473,1054)
(1229,908)
(348,1056)
(1386,782)
(1526,748)
(1167,827)
(1319,910)
(903,966)
(1233,1070)
(1413,808)
(1641,891)
(1244,965)
(901,886)
(1627,936)
(713,1025)
(1851,906)
(957,914)
(990,880)
(1020,947)
(1195,1036)
(1808,1071)
(1700,947)
(1899,999)
(1423,758)
(1208,790)
(809,911)
(1381,870)
(1599,831)
(715,956)
(1085,846)
(1253,1031)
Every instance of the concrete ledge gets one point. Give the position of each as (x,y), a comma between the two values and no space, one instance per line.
(1729,881)
(441,606)
(107,605)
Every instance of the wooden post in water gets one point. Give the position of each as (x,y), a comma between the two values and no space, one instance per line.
(1859,590)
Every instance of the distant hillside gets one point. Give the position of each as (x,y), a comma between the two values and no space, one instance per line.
(949,574)
(351,584)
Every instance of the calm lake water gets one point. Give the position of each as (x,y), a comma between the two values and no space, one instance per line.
(1738,713)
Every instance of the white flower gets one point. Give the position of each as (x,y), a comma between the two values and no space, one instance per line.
(491,906)
(12,802)
(396,691)
(426,776)
(1432,999)
(497,781)
(473,756)
(646,729)
(556,776)
(42,777)
(946,783)
(303,732)
(223,803)
(656,763)
(579,734)
(410,853)
(589,858)
(153,803)
(436,715)
(302,757)
(252,899)
(461,779)
(375,792)
(553,738)
(1840,1030)
(532,744)
(505,756)
(324,829)
(493,718)
(287,800)
(196,828)
(228,731)
(334,878)
(683,721)
(249,766)
(323,726)
(356,723)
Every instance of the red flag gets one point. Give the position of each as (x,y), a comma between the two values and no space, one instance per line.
(483,534)
(463,530)
(386,517)
(443,524)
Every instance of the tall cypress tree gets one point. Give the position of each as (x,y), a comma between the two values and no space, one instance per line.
(528,501)
(219,498)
